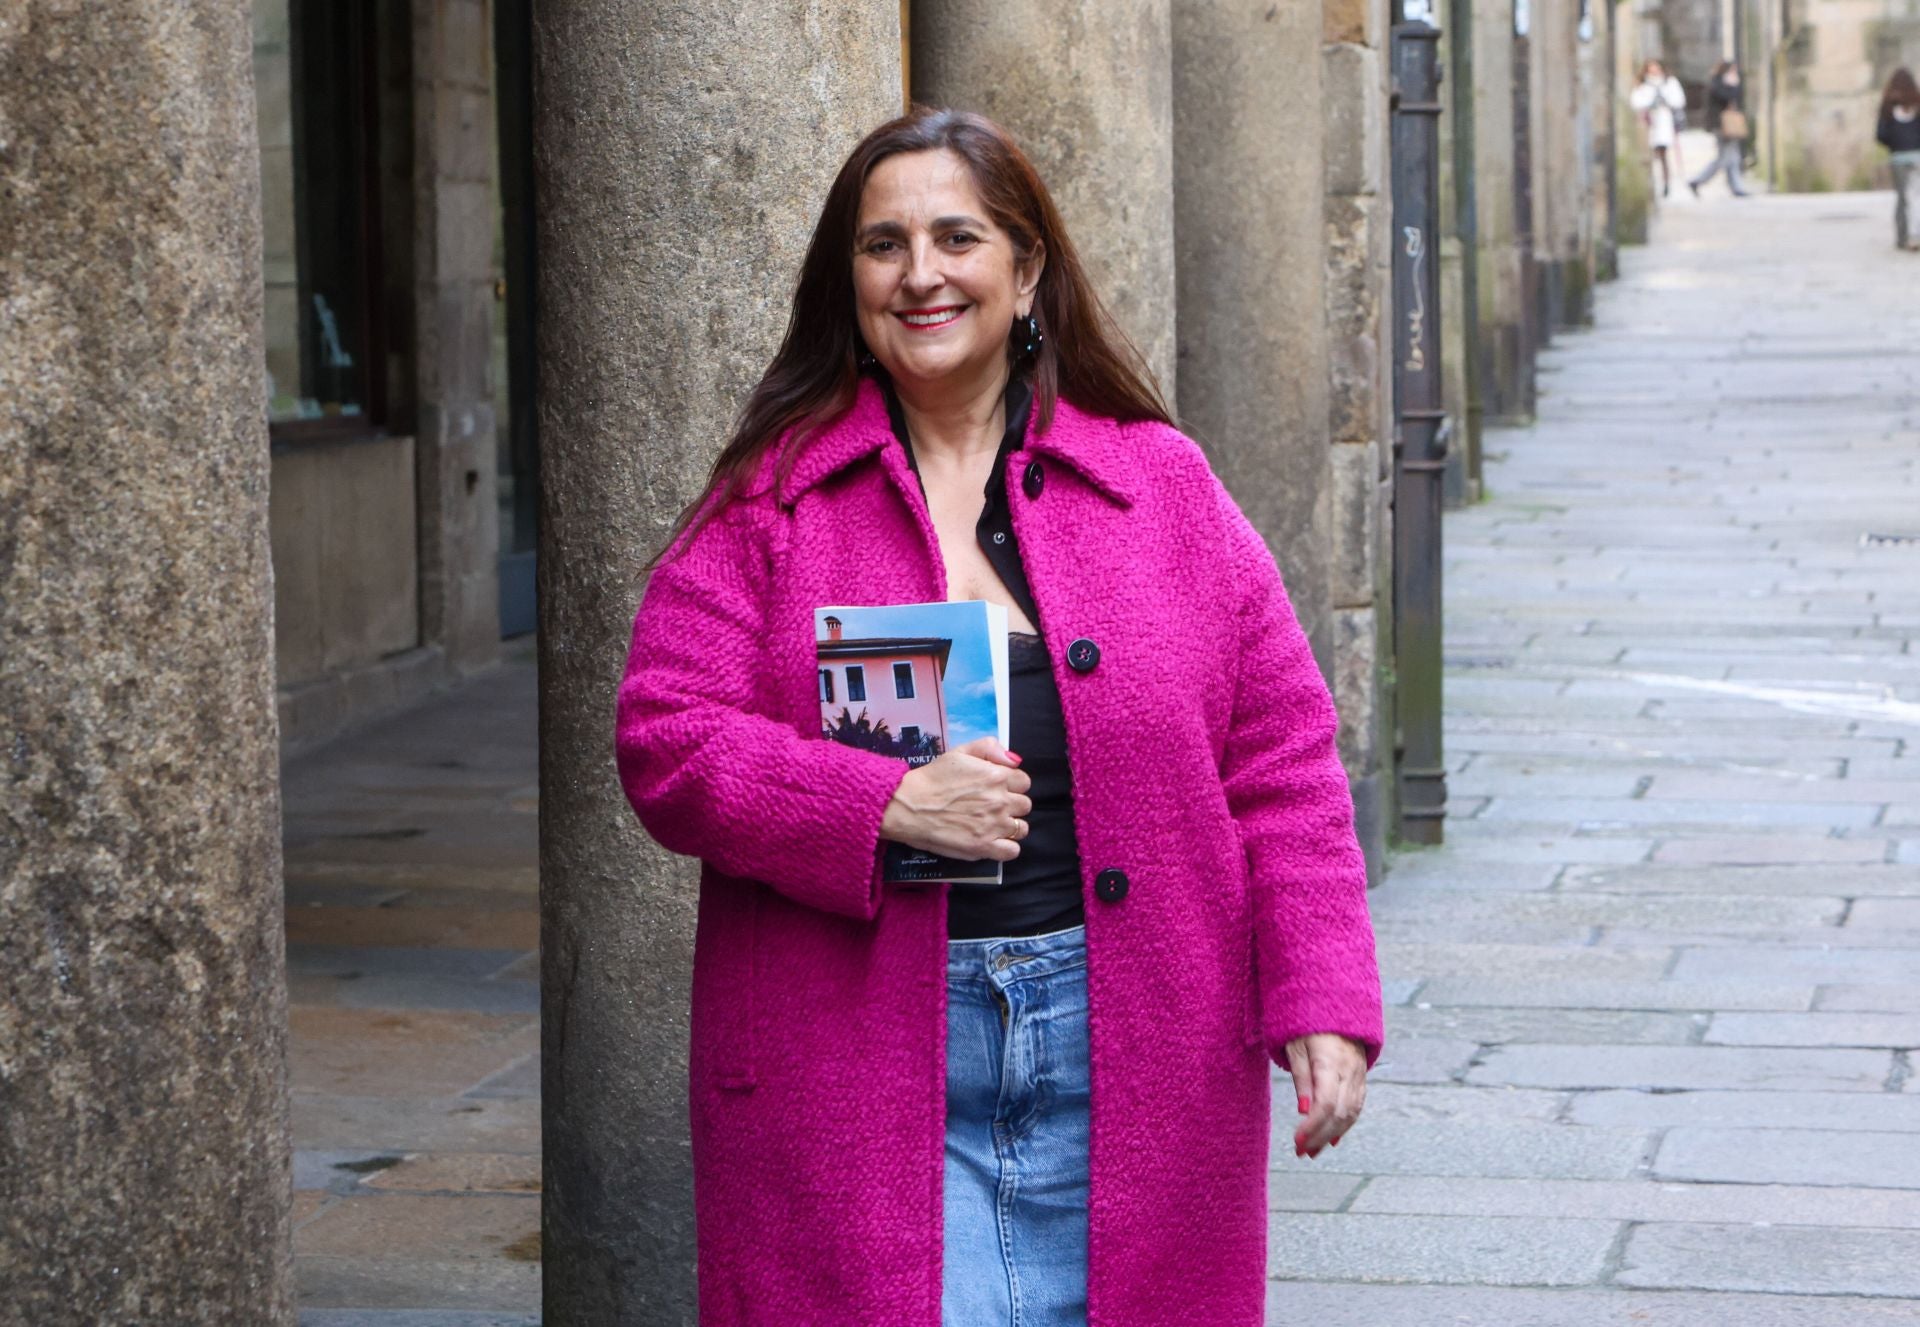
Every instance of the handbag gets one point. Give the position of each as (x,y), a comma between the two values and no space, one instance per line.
(1733,123)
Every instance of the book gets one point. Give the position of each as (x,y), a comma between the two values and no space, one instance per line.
(913,681)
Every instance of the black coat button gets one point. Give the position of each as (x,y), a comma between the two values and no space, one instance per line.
(1034,479)
(1082,655)
(1110,886)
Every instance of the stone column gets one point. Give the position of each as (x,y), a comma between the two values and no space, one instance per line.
(1249,219)
(1506,357)
(1359,300)
(1560,174)
(144,1171)
(673,209)
(455,213)
(1087,89)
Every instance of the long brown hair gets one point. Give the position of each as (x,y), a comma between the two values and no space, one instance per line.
(815,374)
(1901,91)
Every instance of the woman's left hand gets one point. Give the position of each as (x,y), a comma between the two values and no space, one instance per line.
(1330,1076)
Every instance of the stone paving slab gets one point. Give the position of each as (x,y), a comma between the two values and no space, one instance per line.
(1819,1029)
(1678,1067)
(1312,1192)
(1489,1026)
(1759,994)
(1343,1304)
(1417,1101)
(1791,1156)
(1821,966)
(1888,999)
(415,1124)
(1713,1108)
(414,1318)
(485,996)
(1474,1250)
(1876,880)
(1639,1201)
(1515,962)
(1792,1260)
(1473,1147)
(401,1053)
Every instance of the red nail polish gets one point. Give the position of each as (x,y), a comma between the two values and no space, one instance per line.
(1334,1143)
(1011,756)
(1305,1105)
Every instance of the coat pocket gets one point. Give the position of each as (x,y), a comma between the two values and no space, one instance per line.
(730,991)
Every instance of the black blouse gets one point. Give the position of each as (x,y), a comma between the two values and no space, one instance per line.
(1040,890)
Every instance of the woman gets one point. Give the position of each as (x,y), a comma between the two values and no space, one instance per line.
(1726,112)
(914,1105)
(1899,134)
(1659,98)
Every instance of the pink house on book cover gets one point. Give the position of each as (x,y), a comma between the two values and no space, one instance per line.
(895,680)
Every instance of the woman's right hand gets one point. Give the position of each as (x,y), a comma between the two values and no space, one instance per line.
(969,804)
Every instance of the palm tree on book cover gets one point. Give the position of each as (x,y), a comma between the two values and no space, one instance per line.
(862,732)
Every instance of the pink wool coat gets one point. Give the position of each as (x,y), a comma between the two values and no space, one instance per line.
(1201,744)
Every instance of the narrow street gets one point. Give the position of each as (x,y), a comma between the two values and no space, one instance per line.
(1654,1004)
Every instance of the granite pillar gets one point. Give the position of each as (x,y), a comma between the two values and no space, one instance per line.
(455,211)
(1358,222)
(674,207)
(144,1174)
(1249,190)
(1505,345)
(1086,88)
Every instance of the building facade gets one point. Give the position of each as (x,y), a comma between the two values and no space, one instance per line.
(406,339)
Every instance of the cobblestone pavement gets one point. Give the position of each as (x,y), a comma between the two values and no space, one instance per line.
(1655,1004)
(412,926)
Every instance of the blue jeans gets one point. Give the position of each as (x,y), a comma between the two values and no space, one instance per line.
(1017,1129)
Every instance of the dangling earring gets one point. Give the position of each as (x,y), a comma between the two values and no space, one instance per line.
(863,358)
(1026,336)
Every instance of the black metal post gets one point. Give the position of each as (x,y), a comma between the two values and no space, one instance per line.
(1420,433)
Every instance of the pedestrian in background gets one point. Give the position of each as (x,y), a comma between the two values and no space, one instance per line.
(1660,100)
(1727,116)
(1899,134)
(909,1108)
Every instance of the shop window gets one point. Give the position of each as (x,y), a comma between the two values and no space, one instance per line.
(335,149)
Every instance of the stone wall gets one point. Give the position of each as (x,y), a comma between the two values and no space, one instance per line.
(144,1167)
(1359,286)
(1834,63)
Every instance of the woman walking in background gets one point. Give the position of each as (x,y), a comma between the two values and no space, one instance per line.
(1660,99)
(1899,134)
(1727,116)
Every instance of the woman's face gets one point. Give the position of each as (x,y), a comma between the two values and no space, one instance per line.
(936,285)
(1654,71)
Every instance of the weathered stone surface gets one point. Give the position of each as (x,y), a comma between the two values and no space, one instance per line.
(1466,1147)
(1887,999)
(1788,1260)
(1683,1067)
(1821,1029)
(1869,880)
(1252,340)
(415,1318)
(1438,1249)
(1818,965)
(1791,1156)
(144,1163)
(1603,994)
(638,384)
(1422,1060)
(1356,160)
(1354,298)
(1637,1200)
(1306,1192)
(1491,1026)
(1749,1110)
(1344,1304)
(1089,96)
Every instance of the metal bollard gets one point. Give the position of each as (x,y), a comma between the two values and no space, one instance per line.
(1421,432)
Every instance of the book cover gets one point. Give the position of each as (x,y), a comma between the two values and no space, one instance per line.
(913,681)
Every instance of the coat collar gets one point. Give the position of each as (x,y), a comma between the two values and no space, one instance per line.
(1091,444)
